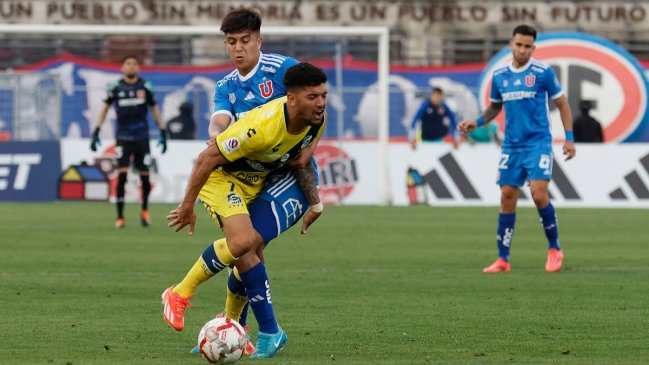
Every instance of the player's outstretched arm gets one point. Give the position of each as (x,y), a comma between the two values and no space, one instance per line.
(184,215)
(489,114)
(569,149)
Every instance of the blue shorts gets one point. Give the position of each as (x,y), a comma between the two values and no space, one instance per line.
(520,164)
(280,205)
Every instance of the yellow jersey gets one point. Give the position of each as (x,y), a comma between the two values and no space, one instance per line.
(259,143)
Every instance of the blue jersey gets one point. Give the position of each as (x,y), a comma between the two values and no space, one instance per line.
(236,94)
(131,102)
(524,93)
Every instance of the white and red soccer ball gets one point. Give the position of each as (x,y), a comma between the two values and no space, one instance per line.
(222,341)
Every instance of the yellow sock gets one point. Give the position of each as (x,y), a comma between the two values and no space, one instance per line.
(234,305)
(214,259)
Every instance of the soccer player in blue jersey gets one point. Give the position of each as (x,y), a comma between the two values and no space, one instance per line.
(523,87)
(290,193)
(132,97)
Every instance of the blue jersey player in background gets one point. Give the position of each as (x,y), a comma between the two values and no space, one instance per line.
(524,87)
(132,97)
(289,195)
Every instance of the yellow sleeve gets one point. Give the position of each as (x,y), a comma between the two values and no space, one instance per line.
(240,140)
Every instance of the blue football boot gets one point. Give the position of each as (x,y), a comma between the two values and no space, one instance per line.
(269,344)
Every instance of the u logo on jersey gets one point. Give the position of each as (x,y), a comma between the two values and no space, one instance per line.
(266,89)
(530,80)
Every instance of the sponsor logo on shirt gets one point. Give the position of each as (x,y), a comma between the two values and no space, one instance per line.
(268,69)
(518,95)
(231,145)
(250,96)
(130,102)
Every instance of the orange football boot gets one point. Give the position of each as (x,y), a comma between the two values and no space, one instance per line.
(499,266)
(555,259)
(174,308)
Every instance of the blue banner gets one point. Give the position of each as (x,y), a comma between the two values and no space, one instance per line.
(29,171)
(84,83)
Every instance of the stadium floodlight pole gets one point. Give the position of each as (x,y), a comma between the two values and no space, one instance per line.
(382,33)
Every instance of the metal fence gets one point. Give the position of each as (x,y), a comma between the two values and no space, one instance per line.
(30,106)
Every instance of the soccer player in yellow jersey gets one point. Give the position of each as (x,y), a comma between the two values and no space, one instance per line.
(228,175)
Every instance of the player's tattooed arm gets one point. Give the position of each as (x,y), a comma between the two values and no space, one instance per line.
(306,179)
(492,111)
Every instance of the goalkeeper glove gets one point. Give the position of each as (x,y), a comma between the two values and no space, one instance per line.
(162,140)
(95,140)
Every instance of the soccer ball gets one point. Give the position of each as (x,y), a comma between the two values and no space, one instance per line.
(222,341)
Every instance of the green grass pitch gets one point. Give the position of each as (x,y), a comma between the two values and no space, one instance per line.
(367,285)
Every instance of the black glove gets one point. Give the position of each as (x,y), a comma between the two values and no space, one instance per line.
(95,140)
(162,140)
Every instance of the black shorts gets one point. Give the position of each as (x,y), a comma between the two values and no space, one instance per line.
(138,150)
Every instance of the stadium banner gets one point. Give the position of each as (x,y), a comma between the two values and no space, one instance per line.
(599,70)
(29,171)
(599,176)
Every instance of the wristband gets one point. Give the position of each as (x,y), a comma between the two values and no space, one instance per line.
(317,208)
(480,121)
(570,137)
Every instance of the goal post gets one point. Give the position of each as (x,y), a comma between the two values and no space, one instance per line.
(380,33)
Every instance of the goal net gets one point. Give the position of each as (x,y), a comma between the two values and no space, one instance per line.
(54,88)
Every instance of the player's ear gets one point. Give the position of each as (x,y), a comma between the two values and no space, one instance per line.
(290,98)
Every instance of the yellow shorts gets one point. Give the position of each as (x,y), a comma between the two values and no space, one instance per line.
(224,195)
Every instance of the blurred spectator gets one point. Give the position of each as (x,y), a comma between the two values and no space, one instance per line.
(587,128)
(435,120)
(485,134)
(183,125)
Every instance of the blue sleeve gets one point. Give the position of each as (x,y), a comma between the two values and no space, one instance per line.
(495,95)
(279,78)
(418,115)
(551,83)
(221,98)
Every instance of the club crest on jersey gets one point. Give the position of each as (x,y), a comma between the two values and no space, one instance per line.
(530,80)
(230,145)
(140,94)
(266,89)
(306,142)
(232,98)
(234,199)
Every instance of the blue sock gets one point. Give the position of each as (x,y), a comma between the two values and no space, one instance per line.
(243,320)
(506,224)
(236,286)
(549,222)
(258,291)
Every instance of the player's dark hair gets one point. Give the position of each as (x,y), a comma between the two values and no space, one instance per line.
(130,57)
(437,90)
(525,30)
(303,75)
(241,20)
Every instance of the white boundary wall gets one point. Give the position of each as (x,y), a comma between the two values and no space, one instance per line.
(590,178)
